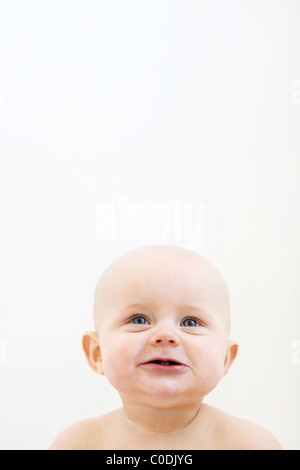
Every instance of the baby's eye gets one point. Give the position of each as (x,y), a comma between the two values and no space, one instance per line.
(139,320)
(190,322)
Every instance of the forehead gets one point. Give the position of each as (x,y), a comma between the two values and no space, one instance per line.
(159,279)
(162,277)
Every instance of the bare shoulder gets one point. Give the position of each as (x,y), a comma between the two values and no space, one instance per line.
(74,437)
(241,434)
(82,435)
(251,436)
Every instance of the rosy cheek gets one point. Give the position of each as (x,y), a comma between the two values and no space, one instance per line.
(117,364)
(210,365)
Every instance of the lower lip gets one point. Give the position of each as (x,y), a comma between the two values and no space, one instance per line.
(151,366)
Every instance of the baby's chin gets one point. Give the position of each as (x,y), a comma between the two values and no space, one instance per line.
(165,396)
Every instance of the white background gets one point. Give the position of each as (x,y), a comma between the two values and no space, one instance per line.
(125,105)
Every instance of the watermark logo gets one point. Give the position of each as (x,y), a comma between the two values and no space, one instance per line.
(155,222)
(2,353)
(296,92)
(295,358)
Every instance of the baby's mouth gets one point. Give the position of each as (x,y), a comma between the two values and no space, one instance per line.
(164,363)
(167,365)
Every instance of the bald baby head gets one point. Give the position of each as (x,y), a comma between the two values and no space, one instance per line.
(165,277)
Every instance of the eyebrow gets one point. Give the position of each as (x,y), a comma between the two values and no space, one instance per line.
(190,307)
(137,305)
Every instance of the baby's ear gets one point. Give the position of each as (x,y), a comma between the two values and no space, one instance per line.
(90,344)
(232,350)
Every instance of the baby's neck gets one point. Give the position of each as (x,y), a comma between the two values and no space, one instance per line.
(156,420)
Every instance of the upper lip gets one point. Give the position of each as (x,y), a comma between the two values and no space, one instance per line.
(163,359)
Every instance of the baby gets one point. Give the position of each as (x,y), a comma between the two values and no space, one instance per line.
(162,321)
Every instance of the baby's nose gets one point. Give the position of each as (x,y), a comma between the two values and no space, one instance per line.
(165,335)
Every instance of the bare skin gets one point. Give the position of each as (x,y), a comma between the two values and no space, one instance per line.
(162,320)
(210,430)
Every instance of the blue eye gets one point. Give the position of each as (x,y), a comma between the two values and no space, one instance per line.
(190,322)
(139,320)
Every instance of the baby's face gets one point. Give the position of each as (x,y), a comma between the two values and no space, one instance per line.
(162,320)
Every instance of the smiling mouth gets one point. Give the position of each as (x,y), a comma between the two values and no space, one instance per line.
(164,365)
